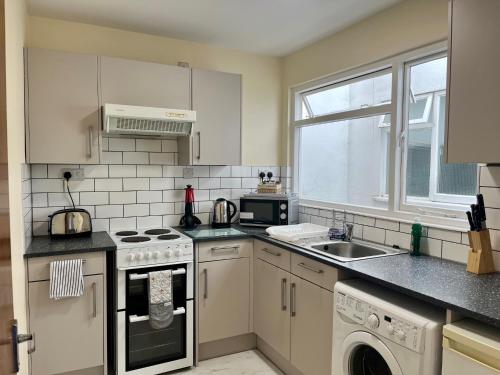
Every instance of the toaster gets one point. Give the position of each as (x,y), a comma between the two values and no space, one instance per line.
(71,222)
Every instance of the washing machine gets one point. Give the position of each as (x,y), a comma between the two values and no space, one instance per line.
(379,332)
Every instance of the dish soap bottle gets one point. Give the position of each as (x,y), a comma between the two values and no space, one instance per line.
(416,235)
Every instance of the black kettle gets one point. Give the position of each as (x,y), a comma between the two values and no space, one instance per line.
(223,215)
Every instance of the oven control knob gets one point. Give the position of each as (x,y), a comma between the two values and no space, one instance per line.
(390,329)
(156,254)
(178,252)
(400,334)
(147,255)
(131,257)
(140,256)
(168,253)
(373,321)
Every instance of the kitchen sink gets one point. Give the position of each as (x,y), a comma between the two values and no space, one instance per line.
(354,250)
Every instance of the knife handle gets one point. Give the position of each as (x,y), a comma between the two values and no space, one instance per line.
(471,222)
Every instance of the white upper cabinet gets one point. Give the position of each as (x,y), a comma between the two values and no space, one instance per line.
(131,82)
(473,128)
(217,131)
(62,112)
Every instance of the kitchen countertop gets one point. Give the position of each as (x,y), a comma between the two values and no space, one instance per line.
(437,281)
(46,246)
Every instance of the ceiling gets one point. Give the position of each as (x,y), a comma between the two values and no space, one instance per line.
(271,27)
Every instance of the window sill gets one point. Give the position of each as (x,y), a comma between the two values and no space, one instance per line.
(407,217)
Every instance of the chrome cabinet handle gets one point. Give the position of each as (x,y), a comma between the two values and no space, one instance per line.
(234,248)
(274,253)
(205,291)
(91,141)
(292,299)
(94,299)
(32,348)
(309,268)
(283,294)
(199,145)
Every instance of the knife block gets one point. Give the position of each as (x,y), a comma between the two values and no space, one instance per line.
(480,260)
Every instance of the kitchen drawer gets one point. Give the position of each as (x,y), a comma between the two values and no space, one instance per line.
(218,250)
(315,272)
(272,254)
(39,268)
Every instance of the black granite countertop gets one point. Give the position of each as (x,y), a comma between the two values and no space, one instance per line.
(46,246)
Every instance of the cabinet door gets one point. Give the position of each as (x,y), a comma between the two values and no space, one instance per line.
(473,82)
(271,306)
(62,99)
(217,131)
(223,299)
(69,333)
(131,82)
(311,327)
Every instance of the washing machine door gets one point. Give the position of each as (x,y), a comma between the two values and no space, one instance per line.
(364,354)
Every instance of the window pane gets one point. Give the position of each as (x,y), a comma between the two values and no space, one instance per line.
(344,162)
(427,174)
(349,95)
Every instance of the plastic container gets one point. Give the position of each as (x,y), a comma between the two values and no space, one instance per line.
(293,233)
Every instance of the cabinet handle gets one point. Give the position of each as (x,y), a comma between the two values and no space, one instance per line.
(198,134)
(232,248)
(283,294)
(205,291)
(91,141)
(292,299)
(309,268)
(94,299)
(274,253)
(32,347)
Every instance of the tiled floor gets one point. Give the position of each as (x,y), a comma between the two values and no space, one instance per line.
(245,363)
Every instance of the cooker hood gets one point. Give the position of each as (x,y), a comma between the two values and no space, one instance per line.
(148,121)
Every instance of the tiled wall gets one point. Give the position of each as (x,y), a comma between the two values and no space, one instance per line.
(137,185)
(27,210)
(446,244)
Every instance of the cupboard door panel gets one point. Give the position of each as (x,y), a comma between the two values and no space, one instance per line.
(271,306)
(217,131)
(131,82)
(311,328)
(63,108)
(223,299)
(69,333)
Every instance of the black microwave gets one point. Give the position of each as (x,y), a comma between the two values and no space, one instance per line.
(268,210)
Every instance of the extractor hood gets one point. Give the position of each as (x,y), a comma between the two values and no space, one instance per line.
(149,121)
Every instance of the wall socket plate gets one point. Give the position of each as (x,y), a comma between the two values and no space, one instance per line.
(188,172)
(77,174)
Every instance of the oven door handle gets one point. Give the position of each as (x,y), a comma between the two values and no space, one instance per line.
(143,318)
(141,276)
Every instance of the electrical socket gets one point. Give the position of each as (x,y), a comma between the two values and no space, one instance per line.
(188,172)
(77,174)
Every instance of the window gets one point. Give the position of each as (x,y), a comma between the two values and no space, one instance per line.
(428,178)
(358,143)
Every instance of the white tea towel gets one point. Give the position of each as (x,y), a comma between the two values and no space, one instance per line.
(161,310)
(66,278)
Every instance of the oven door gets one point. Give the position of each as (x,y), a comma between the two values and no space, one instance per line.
(259,212)
(142,349)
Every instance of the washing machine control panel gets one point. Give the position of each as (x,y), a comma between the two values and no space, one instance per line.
(380,321)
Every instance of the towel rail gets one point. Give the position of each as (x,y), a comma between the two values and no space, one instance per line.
(141,276)
(143,318)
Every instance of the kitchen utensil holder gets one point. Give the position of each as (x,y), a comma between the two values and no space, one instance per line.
(480,260)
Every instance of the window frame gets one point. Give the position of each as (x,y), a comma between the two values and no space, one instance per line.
(443,213)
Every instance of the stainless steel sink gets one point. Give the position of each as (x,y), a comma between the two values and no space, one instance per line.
(355,250)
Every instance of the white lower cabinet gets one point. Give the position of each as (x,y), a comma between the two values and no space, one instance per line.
(271,308)
(223,299)
(69,333)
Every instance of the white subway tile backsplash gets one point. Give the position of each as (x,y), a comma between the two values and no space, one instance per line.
(94,198)
(39,171)
(42,213)
(397,238)
(209,183)
(179,208)
(374,234)
(489,176)
(111,157)
(364,220)
(230,183)
(169,145)
(121,144)
(100,225)
(220,171)
(446,235)
(46,186)
(149,222)
(149,171)
(83,185)
(241,171)
(201,171)
(135,184)
(57,170)
(312,211)
(249,183)
(109,211)
(205,206)
(40,228)
(162,158)
(105,144)
(387,224)
(180,183)
(95,171)
(455,252)
(173,195)
(149,196)
(122,171)
(39,200)
(116,224)
(318,220)
(405,227)
(431,246)
(173,171)
(202,195)
(173,220)
(493,218)
(62,199)
(161,183)
(491,196)
(148,145)
(122,197)
(108,184)
(162,208)
(220,193)
(136,210)
(135,158)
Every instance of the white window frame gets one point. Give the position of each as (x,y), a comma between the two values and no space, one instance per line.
(443,214)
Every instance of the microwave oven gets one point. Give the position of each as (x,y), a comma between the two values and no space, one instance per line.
(265,210)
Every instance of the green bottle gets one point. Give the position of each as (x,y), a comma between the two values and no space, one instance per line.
(416,235)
